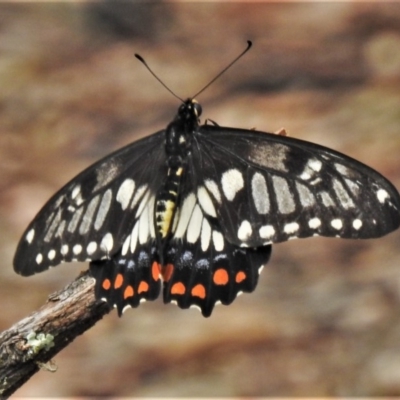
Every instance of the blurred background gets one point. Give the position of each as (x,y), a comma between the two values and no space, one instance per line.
(325,318)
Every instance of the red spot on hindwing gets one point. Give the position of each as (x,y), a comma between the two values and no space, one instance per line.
(240,277)
(106,284)
(143,287)
(199,291)
(167,272)
(119,280)
(178,288)
(128,292)
(155,270)
(221,277)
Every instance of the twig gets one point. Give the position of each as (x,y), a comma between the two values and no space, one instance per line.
(31,343)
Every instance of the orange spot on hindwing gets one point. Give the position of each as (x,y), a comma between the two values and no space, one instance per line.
(221,277)
(240,277)
(168,271)
(178,288)
(143,287)
(106,284)
(119,280)
(155,270)
(199,291)
(128,292)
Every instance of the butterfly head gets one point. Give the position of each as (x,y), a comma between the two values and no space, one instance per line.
(189,110)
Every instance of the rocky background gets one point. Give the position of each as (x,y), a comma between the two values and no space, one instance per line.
(325,318)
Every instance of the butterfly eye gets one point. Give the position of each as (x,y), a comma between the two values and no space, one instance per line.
(197,108)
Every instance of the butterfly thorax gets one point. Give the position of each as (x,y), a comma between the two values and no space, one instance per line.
(178,137)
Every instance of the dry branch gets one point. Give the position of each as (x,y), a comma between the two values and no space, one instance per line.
(31,343)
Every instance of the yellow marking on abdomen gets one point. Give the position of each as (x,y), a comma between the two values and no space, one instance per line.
(166,217)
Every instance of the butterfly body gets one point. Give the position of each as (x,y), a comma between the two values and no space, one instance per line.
(197,207)
(178,137)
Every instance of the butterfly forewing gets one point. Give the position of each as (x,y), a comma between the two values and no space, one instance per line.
(91,216)
(267,188)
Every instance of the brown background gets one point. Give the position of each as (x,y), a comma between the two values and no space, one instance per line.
(325,318)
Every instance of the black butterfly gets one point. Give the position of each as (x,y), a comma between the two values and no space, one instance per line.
(197,207)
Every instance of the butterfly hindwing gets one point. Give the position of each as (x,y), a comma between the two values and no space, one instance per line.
(90,217)
(267,188)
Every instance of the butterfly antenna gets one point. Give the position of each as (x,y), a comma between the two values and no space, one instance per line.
(249,44)
(141,59)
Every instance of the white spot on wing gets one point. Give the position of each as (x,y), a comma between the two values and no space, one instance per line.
(232,182)
(315,164)
(206,202)
(52,254)
(176,219)
(186,213)
(283,195)
(125,246)
(353,186)
(107,172)
(218,240)
(30,235)
(144,228)
(76,195)
(314,223)
(213,189)
(134,237)
(56,220)
(266,231)
(244,231)
(77,249)
(76,217)
(39,259)
(327,199)
(61,227)
(342,169)
(344,198)
(307,199)
(143,203)
(357,224)
(107,243)
(194,227)
(305,176)
(205,235)
(88,216)
(138,195)
(382,195)
(260,194)
(91,248)
(337,223)
(64,249)
(103,209)
(291,227)
(272,155)
(125,193)
(75,191)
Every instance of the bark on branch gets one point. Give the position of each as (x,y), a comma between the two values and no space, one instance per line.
(31,343)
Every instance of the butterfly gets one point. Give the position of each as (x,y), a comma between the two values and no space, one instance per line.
(193,209)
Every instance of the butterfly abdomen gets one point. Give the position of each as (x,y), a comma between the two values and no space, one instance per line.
(166,201)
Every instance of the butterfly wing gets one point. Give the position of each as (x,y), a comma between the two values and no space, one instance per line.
(133,274)
(267,188)
(92,215)
(202,268)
